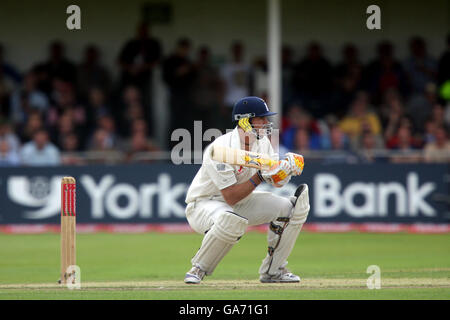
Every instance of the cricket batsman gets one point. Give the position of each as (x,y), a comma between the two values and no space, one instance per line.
(222,201)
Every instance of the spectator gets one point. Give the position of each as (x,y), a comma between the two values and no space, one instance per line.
(28,98)
(302,141)
(70,147)
(108,124)
(439,150)
(131,109)
(101,141)
(66,126)
(56,66)
(312,80)
(429,135)
(139,143)
(237,77)
(139,126)
(178,73)
(438,115)
(384,73)
(339,152)
(91,73)
(9,80)
(405,146)
(360,117)
(393,115)
(420,67)
(300,119)
(66,101)
(392,140)
(138,58)
(33,124)
(420,105)
(97,105)
(207,91)
(8,135)
(7,70)
(40,151)
(8,156)
(348,80)
(391,109)
(368,146)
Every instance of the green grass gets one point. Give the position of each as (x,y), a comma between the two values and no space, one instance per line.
(155,258)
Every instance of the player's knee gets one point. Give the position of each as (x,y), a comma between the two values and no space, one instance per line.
(285,207)
(230,227)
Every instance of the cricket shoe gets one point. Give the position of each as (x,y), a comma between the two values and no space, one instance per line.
(194,276)
(284,277)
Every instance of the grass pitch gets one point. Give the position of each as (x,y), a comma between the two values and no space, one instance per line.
(152,266)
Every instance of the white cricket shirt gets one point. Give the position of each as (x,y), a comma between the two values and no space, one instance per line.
(214,176)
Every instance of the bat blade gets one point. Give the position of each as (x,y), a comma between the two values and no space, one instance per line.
(242,158)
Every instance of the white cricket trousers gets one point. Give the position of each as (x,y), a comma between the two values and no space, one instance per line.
(258,208)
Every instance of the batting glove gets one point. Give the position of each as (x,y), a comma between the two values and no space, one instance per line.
(296,163)
(278,175)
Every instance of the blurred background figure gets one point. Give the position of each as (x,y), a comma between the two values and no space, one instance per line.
(69,150)
(40,151)
(368,147)
(26,98)
(347,80)
(34,123)
(420,67)
(339,151)
(139,143)
(56,66)
(439,149)
(312,80)
(299,119)
(7,134)
(405,146)
(384,73)
(237,77)
(207,91)
(130,108)
(101,141)
(97,105)
(360,116)
(10,79)
(137,59)
(92,74)
(178,74)
(8,157)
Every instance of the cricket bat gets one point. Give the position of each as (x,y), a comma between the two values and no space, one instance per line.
(242,158)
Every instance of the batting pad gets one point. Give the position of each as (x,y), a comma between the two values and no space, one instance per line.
(283,233)
(224,233)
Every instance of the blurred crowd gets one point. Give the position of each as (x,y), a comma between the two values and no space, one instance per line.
(59,108)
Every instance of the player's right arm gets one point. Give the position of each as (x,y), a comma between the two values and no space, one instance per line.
(224,177)
(235,193)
